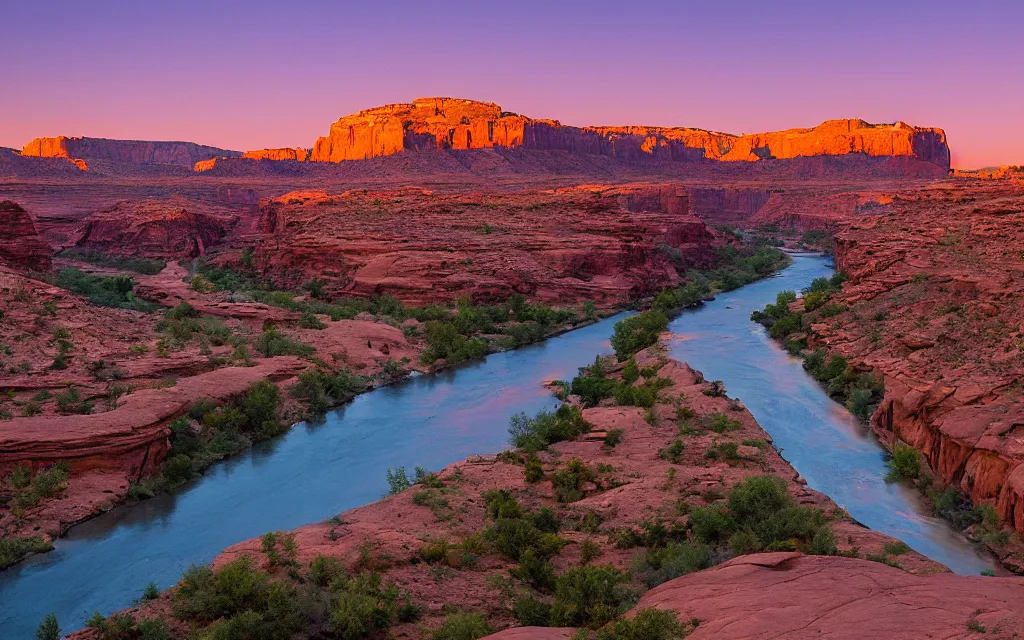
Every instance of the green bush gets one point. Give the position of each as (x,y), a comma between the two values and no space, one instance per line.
(462,626)
(637,332)
(500,503)
(659,565)
(647,624)
(444,341)
(274,343)
(535,434)
(905,463)
(105,291)
(568,483)
(593,387)
(144,266)
(13,549)
(321,390)
(589,596)
(49,629)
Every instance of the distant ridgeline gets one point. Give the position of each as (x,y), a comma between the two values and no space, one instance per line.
(431,124)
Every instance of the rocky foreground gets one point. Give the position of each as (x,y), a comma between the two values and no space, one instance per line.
(573,528)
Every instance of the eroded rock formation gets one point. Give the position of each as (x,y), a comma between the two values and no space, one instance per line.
(298,154)
(139,152)
(20,243)
(450,123)
(601,243)
(171,228)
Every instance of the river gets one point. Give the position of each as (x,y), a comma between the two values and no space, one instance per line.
(318,470)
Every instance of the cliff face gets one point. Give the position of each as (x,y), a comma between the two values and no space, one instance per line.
(598,243)
(174,228)
(183,154)
(298,154)
(935,306)
(449,123)
(20,242)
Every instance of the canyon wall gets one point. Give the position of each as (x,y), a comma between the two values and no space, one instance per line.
(20,243)
(607,244)
(174,228)
(934,301)
(297,153)
(449,123)
(141,152)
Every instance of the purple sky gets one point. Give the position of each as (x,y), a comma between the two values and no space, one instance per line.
(251,74)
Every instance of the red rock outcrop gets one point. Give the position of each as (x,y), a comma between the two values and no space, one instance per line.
(139,152)
(594,242)
(450,123)
(936,305)
(299,154)
(171,228)
(793,596)
(20,243)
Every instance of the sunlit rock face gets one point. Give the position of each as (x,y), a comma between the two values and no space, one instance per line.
(450,123)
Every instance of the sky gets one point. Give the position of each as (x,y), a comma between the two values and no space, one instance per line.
(253,74)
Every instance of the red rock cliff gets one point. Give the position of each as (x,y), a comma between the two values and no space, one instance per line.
(20,242)
(184,154)
(298,153)
(437,123)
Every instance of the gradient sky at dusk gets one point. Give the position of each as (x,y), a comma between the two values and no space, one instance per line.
(252,74)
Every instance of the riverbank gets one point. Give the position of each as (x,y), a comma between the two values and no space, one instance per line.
(926,312)
(662,491)
(125,454)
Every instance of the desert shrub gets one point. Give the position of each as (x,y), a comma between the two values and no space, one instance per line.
(672,453)
(70,401)
(144,266)
(500,503)
(568,482)
(589,596)
(659,565)
(204,595)
(398,480)
(462,626)
(896,548)
(535,570)
(720,423)
(274,343)
(592,387)
(630,373)
(48,629)
(310,321)
(13,549)
(613,437)
(647,624)
(861,403)
(445,341)
(512,537)
(535,434)
(534,470)
(105,291)
(178,470)
(322,390)
(905,463)
(637,332)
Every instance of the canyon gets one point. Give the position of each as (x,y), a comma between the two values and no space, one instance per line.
(141,281)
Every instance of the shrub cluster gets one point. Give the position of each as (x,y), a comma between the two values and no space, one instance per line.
(105,291)
(547,427)
(761,515)
(144,266)
(637,332)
